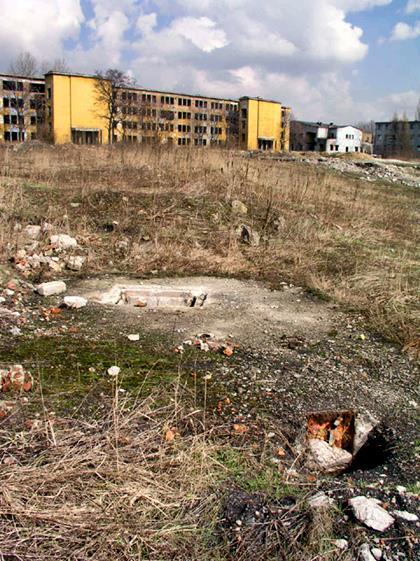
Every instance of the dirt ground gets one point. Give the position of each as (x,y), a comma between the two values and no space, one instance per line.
(293,355)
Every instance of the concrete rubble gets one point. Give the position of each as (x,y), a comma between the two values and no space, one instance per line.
(152,296)
(63,241)
(41,250)
(369,512)
(334,438)
(75,302)
(15,378)
(51,288)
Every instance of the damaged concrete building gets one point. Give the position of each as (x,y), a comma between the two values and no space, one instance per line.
(63,108)
(321,137)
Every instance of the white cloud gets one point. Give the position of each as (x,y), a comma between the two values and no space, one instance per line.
(202,32)
(39,27)
(403,31)
(412,6)
(146,23)
(303,53)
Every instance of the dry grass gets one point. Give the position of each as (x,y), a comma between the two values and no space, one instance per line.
(115,487)
(351,241)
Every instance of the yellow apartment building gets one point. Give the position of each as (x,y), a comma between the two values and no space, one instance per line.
(70,110)
(263,125)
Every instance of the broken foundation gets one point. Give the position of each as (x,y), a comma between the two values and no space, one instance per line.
(152,296)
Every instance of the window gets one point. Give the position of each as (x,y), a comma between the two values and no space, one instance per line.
(167,100)
(243,137)
(200,130)
(148,98)
(7,136)
(200,141)
(216,130)
(244,113)
(184,115)
(169,115)
(34,87)
(331,147)
(216,118)
(49,93)
(200,116)
(184,102)
(216,105)
(184,128)
(6,102)
(184,141)
(33,120)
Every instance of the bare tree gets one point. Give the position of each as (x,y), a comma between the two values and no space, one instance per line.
(24,64)
(107,86)
(57,65)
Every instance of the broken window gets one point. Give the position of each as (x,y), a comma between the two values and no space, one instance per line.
(6,102)
(35,87)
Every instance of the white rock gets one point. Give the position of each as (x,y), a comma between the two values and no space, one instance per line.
(2,299)
(320,500)
(410,517)
(112,296)
(75,262)
(363,426)
(63,241)
(377,553)
(75,302)
(327,458)
(134,337)
(401,489)
(342,544)
(32,231)
(371,514)
(365,554)
(51,288)
(114,370)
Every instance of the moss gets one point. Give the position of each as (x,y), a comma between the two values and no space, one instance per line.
(67,368)
(261,478)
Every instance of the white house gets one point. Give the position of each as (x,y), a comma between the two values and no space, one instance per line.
(344,139)
(321,137)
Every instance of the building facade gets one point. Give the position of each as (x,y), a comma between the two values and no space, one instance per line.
(321,137)
(22,108)
(397,138)
(72,110)
(263,125)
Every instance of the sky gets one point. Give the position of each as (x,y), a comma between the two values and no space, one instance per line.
(330,60)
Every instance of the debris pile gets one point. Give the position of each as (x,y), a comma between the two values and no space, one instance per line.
(15,378)
(334,438)
(206,342)
(42,250)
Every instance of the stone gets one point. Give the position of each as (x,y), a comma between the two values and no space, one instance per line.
(365,554)
(363,426)
(75,262)
(371,514)
(2,299)
(342,544)
(112,296)
(134,337)
(63,241)
(238,207)
(32,231)
(327,458)
(114,370)
(377,553)
(408,516)
(51,288)
(320,500)
(75,302)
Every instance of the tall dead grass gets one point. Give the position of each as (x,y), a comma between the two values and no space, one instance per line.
(352,241)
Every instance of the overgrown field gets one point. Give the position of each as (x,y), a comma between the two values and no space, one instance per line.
(169,212)
(160,462)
